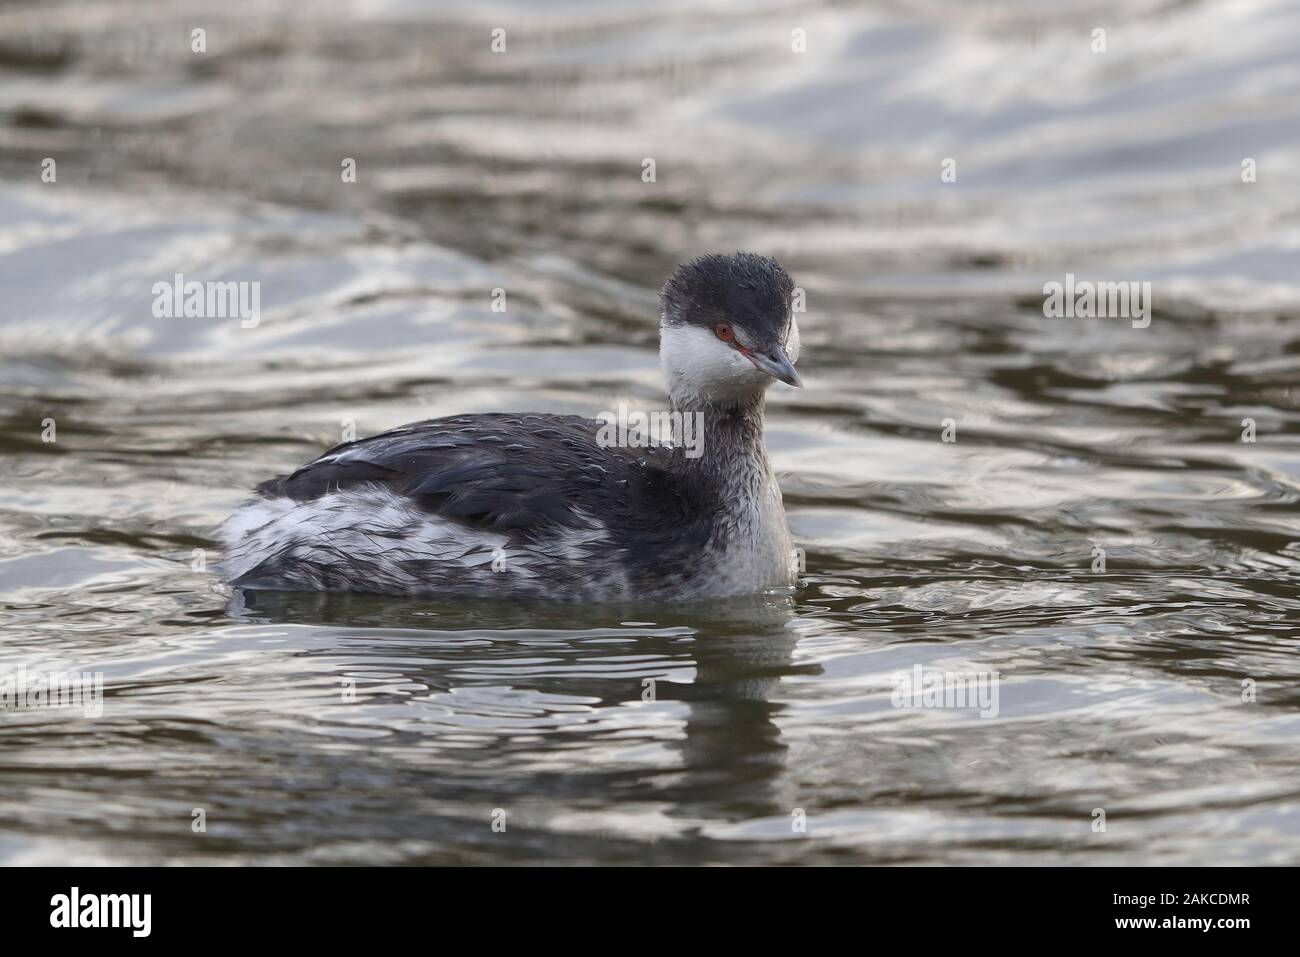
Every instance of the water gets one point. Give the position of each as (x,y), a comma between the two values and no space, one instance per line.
(1119,690)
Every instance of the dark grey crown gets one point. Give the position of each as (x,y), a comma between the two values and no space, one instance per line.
(746,289)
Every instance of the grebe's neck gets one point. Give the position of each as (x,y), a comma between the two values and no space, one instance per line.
(750,534)
(731,431)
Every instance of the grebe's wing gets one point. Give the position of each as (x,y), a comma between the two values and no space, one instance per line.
(503,472)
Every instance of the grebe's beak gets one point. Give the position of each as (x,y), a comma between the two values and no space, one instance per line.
(777,365)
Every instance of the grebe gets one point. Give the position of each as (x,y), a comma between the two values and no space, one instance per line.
(531,505)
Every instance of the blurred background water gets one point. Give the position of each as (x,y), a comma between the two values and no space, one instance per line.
(1120,689)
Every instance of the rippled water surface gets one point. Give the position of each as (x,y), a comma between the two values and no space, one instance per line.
(1163,689)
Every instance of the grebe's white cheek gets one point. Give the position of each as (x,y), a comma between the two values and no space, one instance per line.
(697,362)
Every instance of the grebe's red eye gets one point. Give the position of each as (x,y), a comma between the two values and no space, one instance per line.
(724,331)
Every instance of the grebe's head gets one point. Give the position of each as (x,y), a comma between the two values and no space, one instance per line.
(728,330)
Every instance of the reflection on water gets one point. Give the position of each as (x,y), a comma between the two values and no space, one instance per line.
(1098,535)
